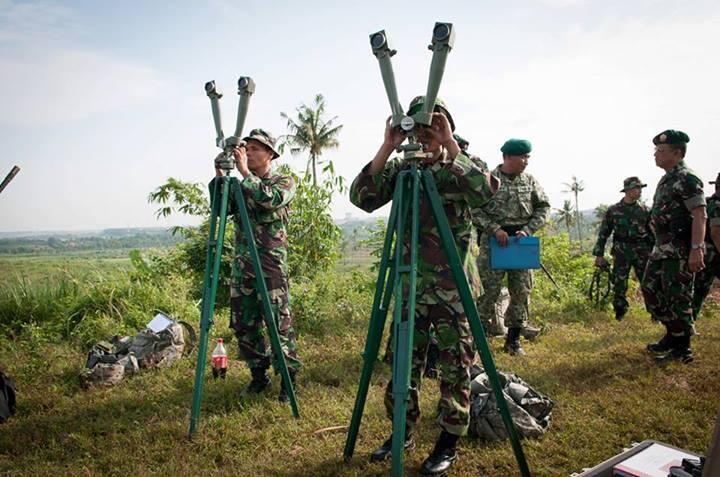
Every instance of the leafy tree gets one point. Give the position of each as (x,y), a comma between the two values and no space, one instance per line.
(311,132)
(575,187)
(600,212)
(566,215)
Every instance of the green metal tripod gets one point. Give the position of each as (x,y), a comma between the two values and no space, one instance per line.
(396,276)
(224,189)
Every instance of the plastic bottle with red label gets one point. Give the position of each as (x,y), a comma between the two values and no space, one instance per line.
(219,360)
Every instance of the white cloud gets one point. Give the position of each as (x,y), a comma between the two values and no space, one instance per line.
(71,84)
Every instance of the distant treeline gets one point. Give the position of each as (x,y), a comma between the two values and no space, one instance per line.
(65,244)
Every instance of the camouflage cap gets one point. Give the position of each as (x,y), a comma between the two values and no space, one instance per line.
(417,103)
(632,183)
(671,136)
(462,142)
(516,147)
(717,180)
(265,138)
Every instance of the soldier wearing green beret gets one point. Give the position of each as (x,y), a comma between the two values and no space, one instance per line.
(678,219)
(628,222)
(267,196)
(704,278)
(463,187)
(518,209)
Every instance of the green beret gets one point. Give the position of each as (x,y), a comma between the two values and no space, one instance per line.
(516,147)
(671,136)
(417,103)
(462,142)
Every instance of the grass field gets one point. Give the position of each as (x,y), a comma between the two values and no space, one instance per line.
(608,392)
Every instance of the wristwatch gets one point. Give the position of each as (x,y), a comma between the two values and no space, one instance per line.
(698,246)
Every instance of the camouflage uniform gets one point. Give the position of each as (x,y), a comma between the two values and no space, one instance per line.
(704,278)
(462,187)
(668,283)
(632,243)
(267,199)
(519,204)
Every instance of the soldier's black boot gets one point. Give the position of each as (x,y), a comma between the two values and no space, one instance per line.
(385,450)
(260,381)
(680,351)
(664,344)
(512,342)
(443,455)
(620,314)
(283,396)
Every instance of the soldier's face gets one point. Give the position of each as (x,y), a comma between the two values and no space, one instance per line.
(258,156)
(666,157)
(516,164)
(430,144)
(634,194)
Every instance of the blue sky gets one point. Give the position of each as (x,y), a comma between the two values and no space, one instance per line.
(101,101)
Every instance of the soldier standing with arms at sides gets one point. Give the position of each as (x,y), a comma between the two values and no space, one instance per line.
(519,209)
(267,195)
(629,223)
(678,220)
(462,187)
(704,278)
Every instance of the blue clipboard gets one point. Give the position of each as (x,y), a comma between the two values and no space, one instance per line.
(520,253)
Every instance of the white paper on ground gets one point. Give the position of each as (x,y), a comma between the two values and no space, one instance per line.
(159,323)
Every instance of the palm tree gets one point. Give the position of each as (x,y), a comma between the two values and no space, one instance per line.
(575,187)
(566,215)
(311,132)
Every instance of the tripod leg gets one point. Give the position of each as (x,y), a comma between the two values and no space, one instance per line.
(270,319)
(472,315)
(404,329)
(218,213)
(376,326)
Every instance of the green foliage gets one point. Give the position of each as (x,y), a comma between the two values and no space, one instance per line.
(176,196)
(376,240)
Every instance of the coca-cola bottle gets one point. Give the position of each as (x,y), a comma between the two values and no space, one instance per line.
(219,360)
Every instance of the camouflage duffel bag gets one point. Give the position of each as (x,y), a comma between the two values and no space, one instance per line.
(531,412)
(107,365)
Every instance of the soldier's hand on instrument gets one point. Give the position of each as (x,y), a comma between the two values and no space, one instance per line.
(502,237)
(241,160)
(696,262)
(521,233)
(600,262)
(393,136)
(217,160)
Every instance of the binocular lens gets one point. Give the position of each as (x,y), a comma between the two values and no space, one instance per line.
(242,82)
(377,40)
(441,31)
(209,86)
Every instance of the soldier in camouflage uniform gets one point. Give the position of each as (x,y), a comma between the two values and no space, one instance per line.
(704,278)
(267,195)
(678,220)
(463,187)
(628,222)
(519,209)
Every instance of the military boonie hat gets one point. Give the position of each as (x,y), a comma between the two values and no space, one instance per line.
(516,147)
(264,137)
(671,136)
(632,183)
(417,103)
(717,179)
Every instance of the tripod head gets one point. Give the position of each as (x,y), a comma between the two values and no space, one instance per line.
(443,38)
(246,87)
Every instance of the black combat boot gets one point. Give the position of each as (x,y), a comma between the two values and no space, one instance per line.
(680,351)
(443,455)
(260,381)
(664,344)
(620,313)
(385,450)
(512,342)
(283,396)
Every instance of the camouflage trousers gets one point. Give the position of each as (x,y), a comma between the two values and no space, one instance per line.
(625,258)
(520,284)
(246,319)
(454,339)
(667,287)
(704,279)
